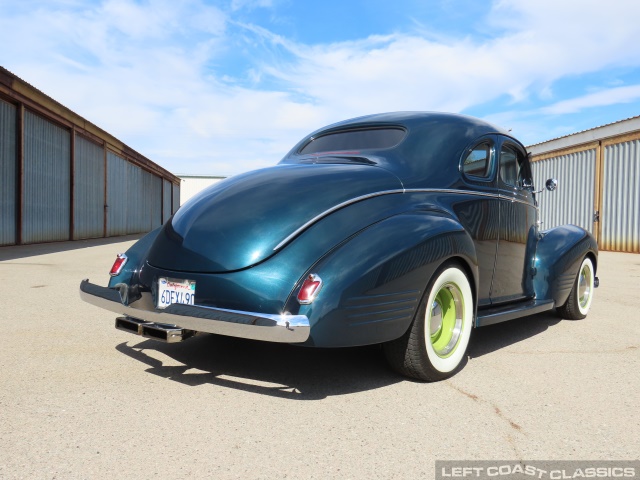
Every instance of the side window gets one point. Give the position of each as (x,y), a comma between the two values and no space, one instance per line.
(512,171)
(477,163)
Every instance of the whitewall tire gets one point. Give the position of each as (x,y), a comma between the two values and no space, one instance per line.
(435,345)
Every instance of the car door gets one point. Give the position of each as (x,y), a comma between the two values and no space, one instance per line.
(517,222)
(479,212)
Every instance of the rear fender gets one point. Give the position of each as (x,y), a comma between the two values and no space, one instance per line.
(373,283)
(559,253)
(136,256)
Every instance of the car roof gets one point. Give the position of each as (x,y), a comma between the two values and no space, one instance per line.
(430,153)
(410,118)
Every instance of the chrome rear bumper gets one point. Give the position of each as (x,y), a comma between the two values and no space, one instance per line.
(198,318)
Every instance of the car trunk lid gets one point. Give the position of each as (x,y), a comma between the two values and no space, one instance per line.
(239,222)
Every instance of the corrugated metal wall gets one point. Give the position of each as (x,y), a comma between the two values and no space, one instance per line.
(117,176)
(47,179)
(166,200)
(156,201)
(59,172)
(573,201)
(134,198)
(152,202)
(176,198)
(620,214)
(88,190)
(7,173)
(147,200)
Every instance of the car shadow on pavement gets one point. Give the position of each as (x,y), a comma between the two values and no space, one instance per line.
(300,373)
(495,337)
(278,370)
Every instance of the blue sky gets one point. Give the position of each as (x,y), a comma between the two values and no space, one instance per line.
(221,87)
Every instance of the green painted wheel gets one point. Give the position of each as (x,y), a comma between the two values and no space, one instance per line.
(435,346)
(445,320)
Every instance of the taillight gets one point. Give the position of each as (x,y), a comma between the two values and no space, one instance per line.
(121,259)
(309,290)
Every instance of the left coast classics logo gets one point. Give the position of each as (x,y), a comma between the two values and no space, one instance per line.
(538,469)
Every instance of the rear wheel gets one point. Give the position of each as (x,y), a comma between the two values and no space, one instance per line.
(577,305)
(435,345)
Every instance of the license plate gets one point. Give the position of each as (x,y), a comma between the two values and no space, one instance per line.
(175,291)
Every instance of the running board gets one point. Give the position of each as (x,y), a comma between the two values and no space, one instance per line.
(499,314)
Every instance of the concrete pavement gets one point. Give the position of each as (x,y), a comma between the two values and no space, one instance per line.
(79,399)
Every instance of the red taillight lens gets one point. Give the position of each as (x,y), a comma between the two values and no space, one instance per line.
(309,290)
(121,259)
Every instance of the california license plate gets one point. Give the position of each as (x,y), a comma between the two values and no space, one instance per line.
(175,291)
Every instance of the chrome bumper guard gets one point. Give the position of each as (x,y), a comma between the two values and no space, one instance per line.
(178,322)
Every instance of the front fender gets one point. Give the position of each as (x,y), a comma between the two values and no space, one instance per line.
(559,253)
(373,284)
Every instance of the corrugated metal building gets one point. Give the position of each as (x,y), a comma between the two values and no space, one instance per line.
(192,184)
(598,172)
(63,178)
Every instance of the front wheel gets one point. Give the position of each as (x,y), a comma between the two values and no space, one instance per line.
(435,345)
(577,305)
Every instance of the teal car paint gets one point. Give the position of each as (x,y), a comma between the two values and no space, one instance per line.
(379,214)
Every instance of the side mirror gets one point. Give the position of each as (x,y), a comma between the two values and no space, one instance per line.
(551,184)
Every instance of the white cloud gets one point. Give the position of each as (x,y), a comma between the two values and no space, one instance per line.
(544,42)
(149,72)
(610,96)
(250,4)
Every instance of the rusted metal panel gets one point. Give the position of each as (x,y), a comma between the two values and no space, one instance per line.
(47,183)
(117,188)
(176,198)
(166,200)
(620,214)
(88,189)
(572,202)
(8,173)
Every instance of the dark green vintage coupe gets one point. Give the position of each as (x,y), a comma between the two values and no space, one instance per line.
(403,229)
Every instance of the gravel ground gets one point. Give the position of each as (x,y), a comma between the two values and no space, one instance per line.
(79,399)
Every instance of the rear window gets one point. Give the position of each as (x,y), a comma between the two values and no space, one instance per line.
(371,138)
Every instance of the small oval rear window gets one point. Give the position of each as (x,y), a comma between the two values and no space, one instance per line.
(365,139)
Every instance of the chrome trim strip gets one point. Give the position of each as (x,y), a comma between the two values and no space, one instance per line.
(320,216)
(233,323)
(499,196)
(517,200)
(452,190)
(329,211)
